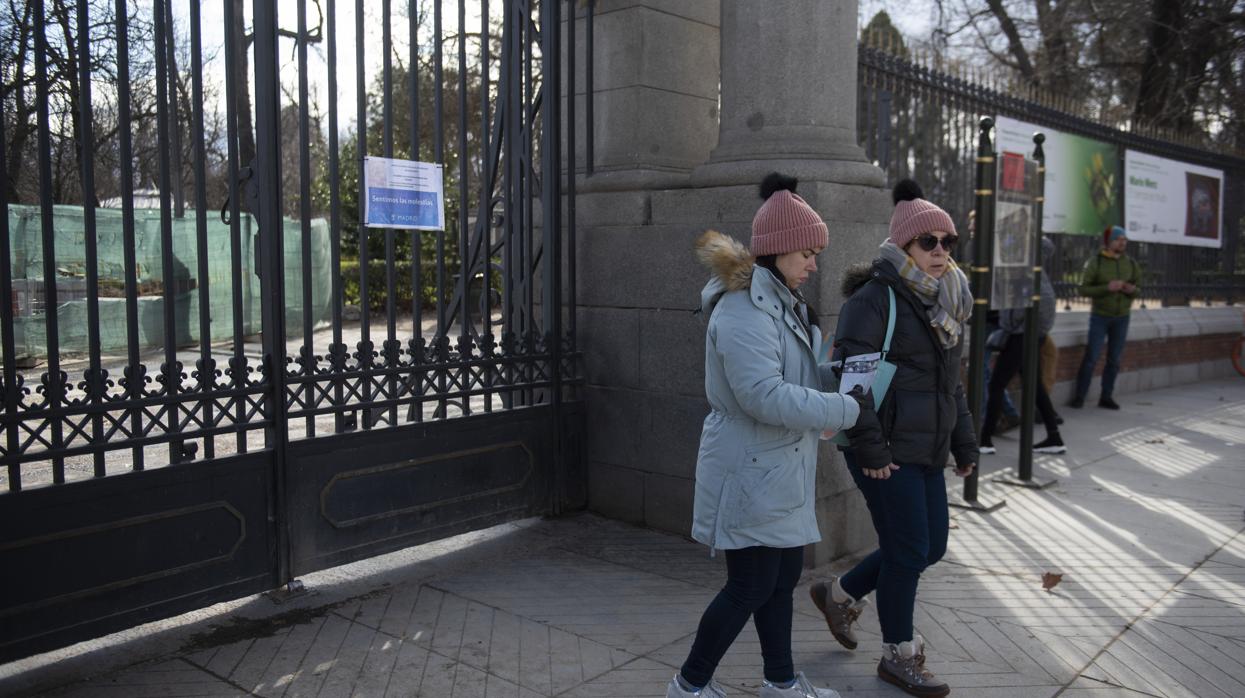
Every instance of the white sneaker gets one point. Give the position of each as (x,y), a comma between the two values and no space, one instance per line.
(803,688)
(713,690)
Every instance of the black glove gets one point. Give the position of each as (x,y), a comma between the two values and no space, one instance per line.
(864,400)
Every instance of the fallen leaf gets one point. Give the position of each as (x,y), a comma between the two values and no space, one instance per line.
(1050,579)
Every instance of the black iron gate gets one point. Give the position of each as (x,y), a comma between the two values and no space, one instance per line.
(325,392)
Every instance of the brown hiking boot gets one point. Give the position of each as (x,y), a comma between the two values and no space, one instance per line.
(839,616)
(904,666)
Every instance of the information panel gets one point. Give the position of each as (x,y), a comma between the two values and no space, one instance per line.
(403,194)
(1172,202)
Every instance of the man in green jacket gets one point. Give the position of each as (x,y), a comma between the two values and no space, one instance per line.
(1112,279)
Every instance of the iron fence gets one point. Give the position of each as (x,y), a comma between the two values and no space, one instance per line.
(918,121)
(492,338)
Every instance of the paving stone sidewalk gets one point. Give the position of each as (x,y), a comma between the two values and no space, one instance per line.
(1145,524)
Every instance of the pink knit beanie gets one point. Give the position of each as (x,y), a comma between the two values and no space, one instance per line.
(784,223)
(914,215)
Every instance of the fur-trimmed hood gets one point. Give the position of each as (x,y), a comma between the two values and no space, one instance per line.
(734,269)
(727,258)
(854,277)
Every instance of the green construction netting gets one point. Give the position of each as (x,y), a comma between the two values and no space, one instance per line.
(69,233)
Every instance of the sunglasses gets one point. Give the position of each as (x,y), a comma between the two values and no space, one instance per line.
(929,242)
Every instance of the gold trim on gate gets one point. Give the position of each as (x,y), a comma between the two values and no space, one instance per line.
(983,192)
(980,301)
(986,159)
(979,270)
(1039,199)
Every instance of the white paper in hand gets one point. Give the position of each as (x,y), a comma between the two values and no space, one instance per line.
(859,370)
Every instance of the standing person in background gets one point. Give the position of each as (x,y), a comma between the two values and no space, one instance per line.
(1112,279)
(1008,365)
(897,456)
(757,465)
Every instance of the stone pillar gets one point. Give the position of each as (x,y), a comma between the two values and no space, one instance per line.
(655,91)
(638,280)
(788,94)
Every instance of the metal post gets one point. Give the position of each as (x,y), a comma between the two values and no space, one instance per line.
(1029,374)
(268,180)
(980,278)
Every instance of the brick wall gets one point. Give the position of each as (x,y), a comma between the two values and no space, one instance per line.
(1151,353)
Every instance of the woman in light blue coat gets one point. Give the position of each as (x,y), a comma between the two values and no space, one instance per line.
(757,464)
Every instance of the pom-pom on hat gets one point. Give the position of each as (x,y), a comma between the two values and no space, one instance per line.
(784,223)
(1111,232)
(914,215)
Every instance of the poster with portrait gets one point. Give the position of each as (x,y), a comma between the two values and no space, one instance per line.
(1015,227)
(1172,202)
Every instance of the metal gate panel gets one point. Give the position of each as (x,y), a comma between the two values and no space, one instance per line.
(201,419)
(107,554)
(358,495)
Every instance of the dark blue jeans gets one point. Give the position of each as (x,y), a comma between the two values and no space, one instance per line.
(909,511)
(759,583)
(1113,331)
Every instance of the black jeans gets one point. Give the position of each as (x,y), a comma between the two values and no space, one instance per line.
(909,511)
(759,583)
(1005,368)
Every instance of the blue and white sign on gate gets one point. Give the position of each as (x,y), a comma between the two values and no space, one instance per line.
(403,194)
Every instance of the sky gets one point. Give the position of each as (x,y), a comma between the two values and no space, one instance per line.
(910,17)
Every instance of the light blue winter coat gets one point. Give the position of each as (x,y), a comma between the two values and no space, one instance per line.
(756,468)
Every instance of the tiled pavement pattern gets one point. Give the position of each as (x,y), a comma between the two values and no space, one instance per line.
(1145,524)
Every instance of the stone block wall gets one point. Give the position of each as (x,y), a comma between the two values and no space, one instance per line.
(639,283)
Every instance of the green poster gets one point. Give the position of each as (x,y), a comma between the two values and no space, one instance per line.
(1082,177)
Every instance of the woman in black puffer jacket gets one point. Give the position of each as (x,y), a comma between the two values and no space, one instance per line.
(897,458)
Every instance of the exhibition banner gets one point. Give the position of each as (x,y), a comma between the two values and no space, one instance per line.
(1172,202)
(1081,176)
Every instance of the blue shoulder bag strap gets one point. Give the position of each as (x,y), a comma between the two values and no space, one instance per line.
(886,370)
(890,323)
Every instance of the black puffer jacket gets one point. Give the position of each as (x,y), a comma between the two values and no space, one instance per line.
(924,416)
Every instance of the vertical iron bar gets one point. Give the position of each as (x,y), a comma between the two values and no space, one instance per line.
(509,97)
(7,340)
(391,308)
(55,384)
(86,138)
(135,372)
(365,320)
(551,221)
(527,233)
(268,180)
(338,350)
(486,178)
(438,134)
(571,168)
(589,93)
(179,196)
(170,371)
(464,317)
(308,352)
(981,279)
(417,311)
(237,363)
(207,365)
